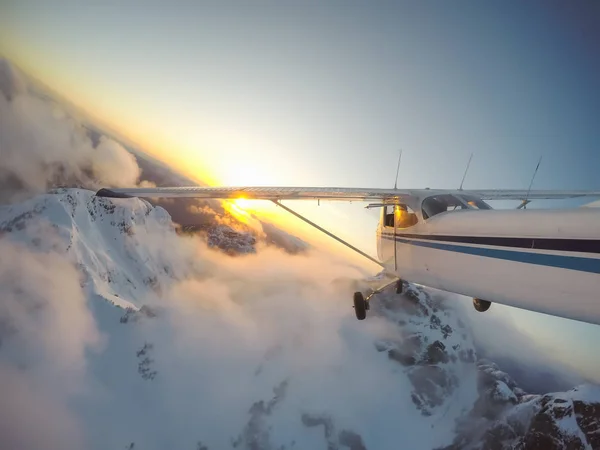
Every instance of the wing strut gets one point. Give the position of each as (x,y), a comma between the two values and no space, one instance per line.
(301,217)
(395,242)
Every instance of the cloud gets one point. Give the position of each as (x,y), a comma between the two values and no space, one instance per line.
(42,146)
(498,339)
(113,165)
(227,332)
(244,325)
(33,417)
(222,334)
(282,239)
(45,331)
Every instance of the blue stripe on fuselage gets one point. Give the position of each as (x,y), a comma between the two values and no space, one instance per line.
(591,265)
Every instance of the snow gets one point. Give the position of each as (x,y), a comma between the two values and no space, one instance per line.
(504,392)
(586,392)
(568,425)
(175,343)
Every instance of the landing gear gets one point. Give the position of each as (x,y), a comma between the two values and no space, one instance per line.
(360,306)
(399,286)
(481,305)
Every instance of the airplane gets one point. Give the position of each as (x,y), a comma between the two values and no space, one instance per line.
(543,260)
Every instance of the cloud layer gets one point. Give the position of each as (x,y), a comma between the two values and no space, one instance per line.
(211,342)
(227,332)
(42,146)
(45,330)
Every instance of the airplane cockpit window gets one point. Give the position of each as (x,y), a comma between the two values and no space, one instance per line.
(389,216)
(441,203)
(403,216)
(475,203)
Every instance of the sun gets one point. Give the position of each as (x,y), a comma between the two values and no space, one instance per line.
(243,203)
(241,208)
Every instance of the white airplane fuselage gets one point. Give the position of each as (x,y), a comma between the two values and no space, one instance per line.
(542,260)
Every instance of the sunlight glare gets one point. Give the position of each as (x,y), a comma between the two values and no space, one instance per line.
(244,203)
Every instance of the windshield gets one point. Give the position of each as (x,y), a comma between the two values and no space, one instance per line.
(446,202)
(475,203)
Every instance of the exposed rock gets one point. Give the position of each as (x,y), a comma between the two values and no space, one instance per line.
(505,418)
(345,438)
(351,440)
(446,330)
(405,360)
(20,221)
(313,420)
(239,238)
(255,435)
(230,241)
(467,355)
(432,386)
(145,362)
(428,362)
(436,353)
(133,315)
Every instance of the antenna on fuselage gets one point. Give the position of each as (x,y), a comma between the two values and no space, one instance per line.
(398,170)
(526,201)
(465,174)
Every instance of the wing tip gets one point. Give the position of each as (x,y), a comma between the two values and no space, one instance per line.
(104,192)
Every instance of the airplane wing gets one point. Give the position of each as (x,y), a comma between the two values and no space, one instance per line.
(333,193)
(259,193)
(512,194)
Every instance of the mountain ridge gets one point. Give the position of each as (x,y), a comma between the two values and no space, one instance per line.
(413,365)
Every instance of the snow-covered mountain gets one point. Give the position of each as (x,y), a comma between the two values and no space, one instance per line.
(505,417)
(118,332)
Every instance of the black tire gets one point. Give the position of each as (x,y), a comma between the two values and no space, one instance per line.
(399,287)
(360,306)
(481,305)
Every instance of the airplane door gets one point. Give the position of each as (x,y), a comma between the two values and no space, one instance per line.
(396,221)
(395,235)
(387,245)
(404,219)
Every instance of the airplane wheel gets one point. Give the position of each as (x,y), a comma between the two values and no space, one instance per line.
(360,306)
(481,305)
(399,287)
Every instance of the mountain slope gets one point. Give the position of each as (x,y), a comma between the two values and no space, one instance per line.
(180,346)
(505,417)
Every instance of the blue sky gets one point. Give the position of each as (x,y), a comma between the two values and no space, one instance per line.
(326,93)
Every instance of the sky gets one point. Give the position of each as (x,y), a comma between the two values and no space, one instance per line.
(326,93)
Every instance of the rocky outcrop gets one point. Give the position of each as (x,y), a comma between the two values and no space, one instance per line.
(335,440)
(230,241)
(431,348)
(504,417)
(238,238)
(256,433)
